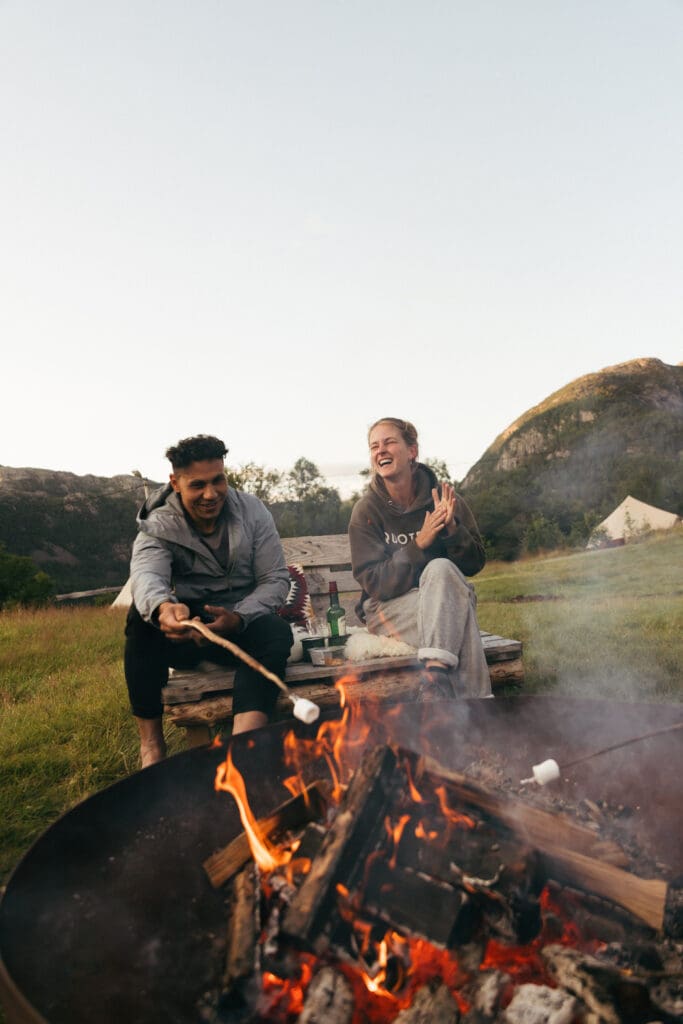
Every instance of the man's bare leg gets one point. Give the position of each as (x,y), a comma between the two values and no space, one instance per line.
(152,742)
(248,720)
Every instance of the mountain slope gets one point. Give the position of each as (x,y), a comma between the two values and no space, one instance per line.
(78,529)
(566,463)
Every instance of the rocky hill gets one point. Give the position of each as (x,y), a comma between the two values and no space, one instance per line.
(545,481)
(77,529)
(566,463)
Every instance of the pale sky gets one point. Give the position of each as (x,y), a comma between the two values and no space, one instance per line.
(278,220)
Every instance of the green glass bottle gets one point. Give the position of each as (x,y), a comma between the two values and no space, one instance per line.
(336,616)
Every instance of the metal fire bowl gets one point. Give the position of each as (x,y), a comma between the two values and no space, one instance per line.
(110,917)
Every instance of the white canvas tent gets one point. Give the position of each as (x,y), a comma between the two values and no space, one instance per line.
(124,598)
(631,519)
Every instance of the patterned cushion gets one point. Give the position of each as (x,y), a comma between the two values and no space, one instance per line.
(297,609)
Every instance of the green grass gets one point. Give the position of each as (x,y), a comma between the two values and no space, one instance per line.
(600,623)
(614,628)
(65,727)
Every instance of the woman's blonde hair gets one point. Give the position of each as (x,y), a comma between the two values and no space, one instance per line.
(404,427)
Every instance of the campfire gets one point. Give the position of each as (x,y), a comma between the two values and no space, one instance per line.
(145,903)
(394,889)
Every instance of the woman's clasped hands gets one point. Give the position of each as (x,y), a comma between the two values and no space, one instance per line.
(442,518)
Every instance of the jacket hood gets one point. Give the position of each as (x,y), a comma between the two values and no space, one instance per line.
(156,499)
(425,480)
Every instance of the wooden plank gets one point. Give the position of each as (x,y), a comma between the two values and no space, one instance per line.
(330,549)
(503,672)
(318,580)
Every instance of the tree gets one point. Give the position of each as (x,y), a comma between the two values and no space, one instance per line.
(440,470)
(304,480)
(264,483)
(21,582)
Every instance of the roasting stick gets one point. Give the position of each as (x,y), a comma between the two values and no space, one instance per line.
(549,770)
(304,709)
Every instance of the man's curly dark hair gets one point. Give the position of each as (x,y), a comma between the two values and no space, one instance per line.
(195,449)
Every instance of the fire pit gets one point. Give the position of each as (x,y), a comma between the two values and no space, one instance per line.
(110,915)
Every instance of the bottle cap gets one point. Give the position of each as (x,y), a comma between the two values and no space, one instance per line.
(333,586)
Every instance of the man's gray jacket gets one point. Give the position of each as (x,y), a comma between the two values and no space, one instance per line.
(170,562)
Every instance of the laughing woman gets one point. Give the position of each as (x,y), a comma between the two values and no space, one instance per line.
(413,542)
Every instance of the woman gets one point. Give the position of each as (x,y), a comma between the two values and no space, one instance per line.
(412,544)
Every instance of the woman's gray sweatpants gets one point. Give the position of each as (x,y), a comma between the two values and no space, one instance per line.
(439,618)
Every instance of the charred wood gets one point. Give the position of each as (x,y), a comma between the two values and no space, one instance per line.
(568,849)
(350,840)
(433,1004)
(329,999)
(541,829)
(610,996)
(244,924)
(539,1004)
(415,903)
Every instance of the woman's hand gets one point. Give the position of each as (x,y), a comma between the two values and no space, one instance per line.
(448,501)
(442,518)
(431,528)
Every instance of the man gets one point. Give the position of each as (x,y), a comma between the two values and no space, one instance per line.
(204,550)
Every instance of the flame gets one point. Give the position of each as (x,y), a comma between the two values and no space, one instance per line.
(229,779)
(414,792)
(395,832)
(421,832)
(451,816)
(283,998)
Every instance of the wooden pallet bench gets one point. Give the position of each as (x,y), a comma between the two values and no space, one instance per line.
(201,702)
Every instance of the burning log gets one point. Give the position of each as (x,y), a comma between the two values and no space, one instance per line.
(570,852)
(307,806)
(540,1003)
(611,996)
(329,999)
(381,861)
(539,828)
(433,1004)
(242,952)
(414,903)
(644,898)
(345,847)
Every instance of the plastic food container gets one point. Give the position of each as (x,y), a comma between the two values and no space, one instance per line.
(311,643)
(327,656)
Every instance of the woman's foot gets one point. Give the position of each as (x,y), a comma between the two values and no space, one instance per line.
(435,684)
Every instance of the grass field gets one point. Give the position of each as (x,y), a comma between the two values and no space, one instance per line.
(603,624)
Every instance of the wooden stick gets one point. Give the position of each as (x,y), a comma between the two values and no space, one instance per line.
(237,651)
(308,806)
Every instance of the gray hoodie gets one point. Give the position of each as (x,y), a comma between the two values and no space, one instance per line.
(385,559)
(170,562)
